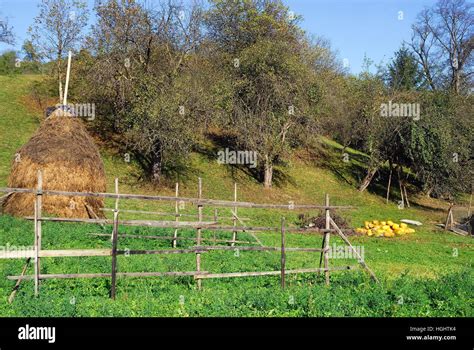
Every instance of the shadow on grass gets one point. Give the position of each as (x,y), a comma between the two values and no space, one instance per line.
(351,168)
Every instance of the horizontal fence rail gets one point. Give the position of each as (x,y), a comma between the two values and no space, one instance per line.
(197,201)
(196,274)
(157,213)
(208,225)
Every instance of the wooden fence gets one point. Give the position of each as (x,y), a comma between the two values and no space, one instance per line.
(198,249)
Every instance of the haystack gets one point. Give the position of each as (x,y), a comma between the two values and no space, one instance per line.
(70,161)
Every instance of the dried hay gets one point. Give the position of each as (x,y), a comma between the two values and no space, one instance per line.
(70,161)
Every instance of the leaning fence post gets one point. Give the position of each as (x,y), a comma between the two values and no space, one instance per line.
(198,238)
(346,240)
(283,254)
(327,234)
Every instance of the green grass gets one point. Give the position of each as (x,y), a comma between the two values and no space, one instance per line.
(17,122)
(428,273)
(414,282)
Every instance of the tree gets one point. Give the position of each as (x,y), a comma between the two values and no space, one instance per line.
(261,49)
(370,126)
(403,71)
(30,52)
(439,145)
(146,62)
(58,29)
(443,40)
(7,63)
(6,32)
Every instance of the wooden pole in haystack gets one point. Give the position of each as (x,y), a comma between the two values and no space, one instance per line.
(67,78)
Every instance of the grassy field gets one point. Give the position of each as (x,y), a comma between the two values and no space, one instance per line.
(428,273)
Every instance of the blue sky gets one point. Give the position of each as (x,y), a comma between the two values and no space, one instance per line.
(354,27)
(359,27)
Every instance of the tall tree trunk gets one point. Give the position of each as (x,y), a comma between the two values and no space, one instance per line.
(389,181)
(368,178)
(402,186)
(156,164)
(60,89)
(428,192)
(268,172)
(457,81)
(60,80)
(156,172)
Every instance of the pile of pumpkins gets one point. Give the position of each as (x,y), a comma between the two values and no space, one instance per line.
(387,228)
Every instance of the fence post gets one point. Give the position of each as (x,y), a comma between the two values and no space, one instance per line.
(234,219)
(176,210)
(198,239)
(35,203)
(116,192)
(116,206)
(38,215)
(283,254)
(326,240)
(114,255)
(114,241)
(216,218)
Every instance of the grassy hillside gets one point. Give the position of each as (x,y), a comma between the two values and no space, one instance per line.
(17,121)
(426,273)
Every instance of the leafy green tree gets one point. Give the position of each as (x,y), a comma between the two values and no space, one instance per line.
(403,71)
(8,63)
(31,53)
(262,50)
(150,74)
(439,145)
(31,59)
